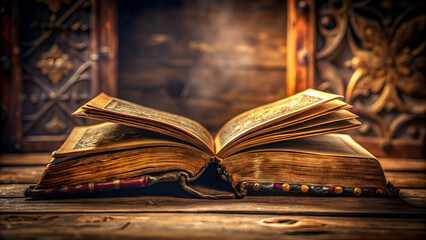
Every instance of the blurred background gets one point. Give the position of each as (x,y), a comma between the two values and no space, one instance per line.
(211,60)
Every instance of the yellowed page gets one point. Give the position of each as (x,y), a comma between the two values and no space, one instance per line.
(269,114)
(327,119)
(307,132)
(107,137)
(163,129)
(135,112)
(332,144)
(316,112)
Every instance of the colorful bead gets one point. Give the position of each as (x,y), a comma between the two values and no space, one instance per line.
(277,186)
(304,188)
(338,190)
(285,187)
(357,191)
(116,183)
(91,187)
(256,186)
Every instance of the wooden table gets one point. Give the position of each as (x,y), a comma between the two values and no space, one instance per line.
(254,217)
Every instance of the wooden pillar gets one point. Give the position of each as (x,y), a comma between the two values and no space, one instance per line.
(108,46)
(300,45)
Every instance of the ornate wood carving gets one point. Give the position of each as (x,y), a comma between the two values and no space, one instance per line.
(372,52)
(55,64)
(52,70)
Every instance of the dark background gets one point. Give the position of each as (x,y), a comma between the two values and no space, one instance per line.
(210,60)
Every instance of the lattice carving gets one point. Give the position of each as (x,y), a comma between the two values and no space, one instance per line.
(54,58)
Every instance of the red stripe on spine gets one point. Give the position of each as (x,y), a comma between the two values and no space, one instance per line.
(104,186)
(142,181)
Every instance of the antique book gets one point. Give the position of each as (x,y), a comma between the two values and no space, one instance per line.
(286,146)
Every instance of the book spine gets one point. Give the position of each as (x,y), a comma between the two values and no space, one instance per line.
(141,181)
(388,191)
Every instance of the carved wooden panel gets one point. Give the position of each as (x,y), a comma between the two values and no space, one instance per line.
(208,60)
(54,54)
(372,52)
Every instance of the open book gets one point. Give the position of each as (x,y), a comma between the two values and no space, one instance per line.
(284,146)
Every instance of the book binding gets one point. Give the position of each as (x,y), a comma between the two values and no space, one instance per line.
(241,190)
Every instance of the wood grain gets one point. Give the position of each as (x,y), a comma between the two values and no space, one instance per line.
(13,190)
(415,197)
(172,217)
(199,67)
(309,206)
(20,174)
(403,164)
(25,159)
(407,179)
(203,226)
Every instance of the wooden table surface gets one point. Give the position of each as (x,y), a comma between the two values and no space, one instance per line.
(171,217)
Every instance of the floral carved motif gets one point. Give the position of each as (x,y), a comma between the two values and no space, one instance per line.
(373,52)
(388,61)
(55,64)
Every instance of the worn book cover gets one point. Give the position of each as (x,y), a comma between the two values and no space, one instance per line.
(286,146)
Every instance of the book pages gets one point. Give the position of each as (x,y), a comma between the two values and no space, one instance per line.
(269,114)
